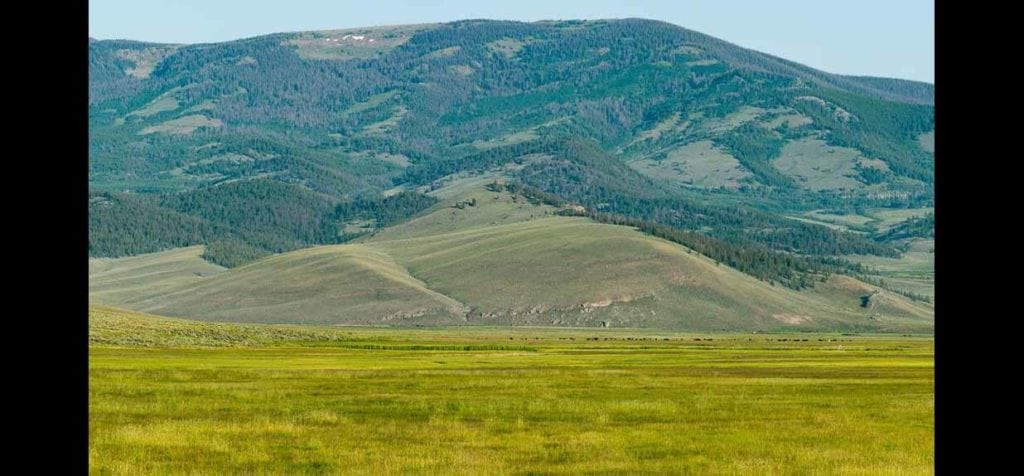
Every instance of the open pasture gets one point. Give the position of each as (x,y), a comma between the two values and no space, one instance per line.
(505,401)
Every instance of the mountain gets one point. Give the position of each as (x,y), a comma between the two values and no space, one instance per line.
(245,149)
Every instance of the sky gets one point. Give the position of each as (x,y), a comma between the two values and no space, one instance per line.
(891,38)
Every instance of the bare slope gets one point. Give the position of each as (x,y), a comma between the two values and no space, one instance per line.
(322,285)
(571,271)
(123,281)
(461,265)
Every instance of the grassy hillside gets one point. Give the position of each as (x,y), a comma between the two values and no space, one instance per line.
(913,272)
(480,207)
(570,271)
(505,261)
(321,285)
(125,280)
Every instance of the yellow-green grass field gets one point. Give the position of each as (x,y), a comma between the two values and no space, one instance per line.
(176,396)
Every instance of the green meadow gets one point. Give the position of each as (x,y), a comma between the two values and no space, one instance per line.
(176,396)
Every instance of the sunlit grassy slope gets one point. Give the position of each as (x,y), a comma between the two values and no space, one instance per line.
(325,285)
(126,280)
(507,262)
(492,208)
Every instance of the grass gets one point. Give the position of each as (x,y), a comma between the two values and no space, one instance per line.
(506,140)
(110,326)
(166,102)
(790,118)
(369,103)
(144,60)
(570,271)
(510,266)
(819,166)
(387,124)
(874,220)
(320,285)
(818,222)
(443,52)
(699,164)
(927,141)
(126,280)
(182,125)
(206,105)
(702,62)
(890,217)
(665,125)
(508,47)
(913,271)
(848,221)
(492,208)
(735,119)
(515,401)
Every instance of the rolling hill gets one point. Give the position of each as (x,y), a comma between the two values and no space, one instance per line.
(502,261)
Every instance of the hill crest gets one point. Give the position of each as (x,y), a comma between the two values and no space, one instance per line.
(537,269)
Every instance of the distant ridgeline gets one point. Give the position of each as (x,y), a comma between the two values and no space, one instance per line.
(284,141)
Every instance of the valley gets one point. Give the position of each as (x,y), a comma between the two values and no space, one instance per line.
(500,247)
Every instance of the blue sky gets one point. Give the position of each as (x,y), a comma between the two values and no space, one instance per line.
(893,38)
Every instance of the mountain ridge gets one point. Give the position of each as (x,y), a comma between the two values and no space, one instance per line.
(926,95)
